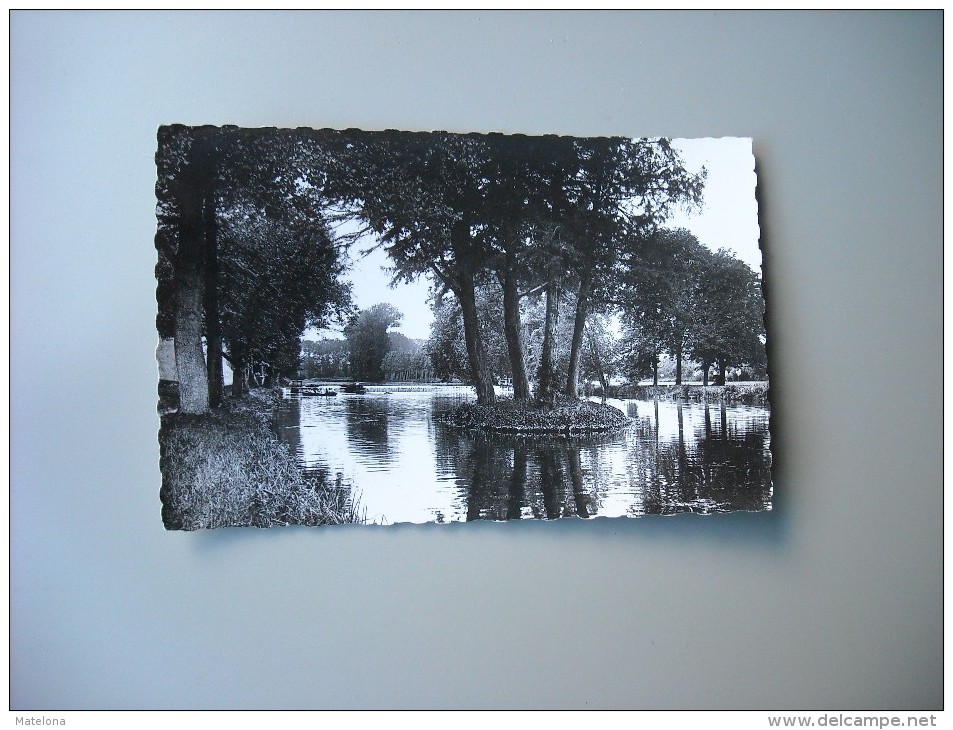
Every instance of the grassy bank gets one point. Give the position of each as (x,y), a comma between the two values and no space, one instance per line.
(566,417)
(228,469)
(748,393)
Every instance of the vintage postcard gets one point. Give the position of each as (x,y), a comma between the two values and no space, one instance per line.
(387,327)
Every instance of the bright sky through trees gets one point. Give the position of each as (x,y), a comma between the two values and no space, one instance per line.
(729,220)
(730,216)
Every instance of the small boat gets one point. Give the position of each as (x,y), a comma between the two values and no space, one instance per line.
(318,391)
(353,388)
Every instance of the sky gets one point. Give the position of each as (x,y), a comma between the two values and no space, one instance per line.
(728,219)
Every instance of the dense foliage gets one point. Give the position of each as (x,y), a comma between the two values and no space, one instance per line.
(552,214)
(368,342)
(679,310)
(246,260)
(538,247)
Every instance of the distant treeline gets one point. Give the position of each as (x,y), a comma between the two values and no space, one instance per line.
(404,360)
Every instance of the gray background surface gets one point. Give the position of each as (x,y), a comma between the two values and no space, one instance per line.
(833,600)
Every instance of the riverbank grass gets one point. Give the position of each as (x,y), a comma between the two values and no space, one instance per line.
(228,469)
(564,417)
(745,393)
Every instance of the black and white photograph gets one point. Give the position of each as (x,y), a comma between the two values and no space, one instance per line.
(387,327)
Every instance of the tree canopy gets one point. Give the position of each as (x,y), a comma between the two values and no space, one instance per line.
(215,179)
(728,315)
(368,342)
(275,280)
(658,290)
(683,299)
(529,240)
(469,208)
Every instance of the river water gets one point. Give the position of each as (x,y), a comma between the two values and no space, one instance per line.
(405,467)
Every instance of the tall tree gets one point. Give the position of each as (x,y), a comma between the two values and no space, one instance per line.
(552,258)
(272,175)
(600,353)
(187,163)
(659,286)
(623,190)
(368,341)
(524,193)
(208,175)
(728,315)
(422,194)
(276,279)
(530,208)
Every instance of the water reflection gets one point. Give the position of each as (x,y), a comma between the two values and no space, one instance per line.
(366,420)
(675,458)
(707,468)
(508,477)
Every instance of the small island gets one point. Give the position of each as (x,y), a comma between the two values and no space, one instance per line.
(564,417)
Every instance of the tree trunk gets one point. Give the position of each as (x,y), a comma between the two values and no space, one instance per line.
(237,362)
(479,367)
(678,364)
(655,370)
(193,185)
(216,371)
(547,374)
(721,374)
(705,366)
(579,326)
(464,286)
(514,335)
(189,360)
(604,381)
(599,364)
(213,327)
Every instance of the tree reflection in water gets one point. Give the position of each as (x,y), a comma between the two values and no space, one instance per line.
(713,466)
(675,457)
(367,426)
(510,477)
(724,469)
